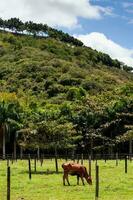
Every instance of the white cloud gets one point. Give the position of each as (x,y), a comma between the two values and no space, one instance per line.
(101,43)
(53,12)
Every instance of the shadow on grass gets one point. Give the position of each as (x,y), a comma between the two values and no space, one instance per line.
(40,172)
(71,185)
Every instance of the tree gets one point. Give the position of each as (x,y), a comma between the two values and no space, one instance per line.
(15,24)
(9,113)
(49,134)
(1,23)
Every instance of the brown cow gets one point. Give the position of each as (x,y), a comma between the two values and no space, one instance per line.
(75,169)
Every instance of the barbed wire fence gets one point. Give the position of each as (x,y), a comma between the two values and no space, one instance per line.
(31,164)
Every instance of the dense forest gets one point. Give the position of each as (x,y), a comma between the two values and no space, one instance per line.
(58,95)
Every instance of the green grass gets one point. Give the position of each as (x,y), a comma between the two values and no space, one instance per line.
(114,183)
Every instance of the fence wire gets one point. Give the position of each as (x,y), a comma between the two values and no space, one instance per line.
(111,173)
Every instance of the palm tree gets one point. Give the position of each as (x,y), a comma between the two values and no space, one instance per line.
(8,113)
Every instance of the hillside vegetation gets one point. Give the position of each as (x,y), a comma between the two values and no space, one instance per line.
(65,95)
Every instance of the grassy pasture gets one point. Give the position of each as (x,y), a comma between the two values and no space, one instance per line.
(47,185)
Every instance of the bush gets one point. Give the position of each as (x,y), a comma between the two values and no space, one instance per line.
(79,74)
(2,50)
(67,80)
(10,39)
(53,90)
(91,85)
(78,52)
(75,93)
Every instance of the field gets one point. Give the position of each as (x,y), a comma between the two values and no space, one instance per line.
(47,185)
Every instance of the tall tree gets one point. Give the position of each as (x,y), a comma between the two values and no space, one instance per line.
(8,114)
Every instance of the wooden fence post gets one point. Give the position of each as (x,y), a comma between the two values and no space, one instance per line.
(97,183)
(7,162)
(96,161)
(56,163)
(66,156)
(38,153)
(41,161)
(12,159)
(126,164)
(73,155)
(89,165)
(105,158)
(14,149)
(117,159)
(82,159)
(21,152)
(29,168)
(77,158)
(35,164)
(8,183)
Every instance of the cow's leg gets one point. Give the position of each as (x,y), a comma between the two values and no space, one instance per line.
(77,179)
(67,179)
(64,179)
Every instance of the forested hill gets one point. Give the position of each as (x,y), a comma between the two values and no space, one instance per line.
(68,93)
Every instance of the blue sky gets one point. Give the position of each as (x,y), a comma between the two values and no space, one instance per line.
(117,26)
(105,25)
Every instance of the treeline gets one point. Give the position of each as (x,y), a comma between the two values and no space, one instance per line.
(15,25)
(29,27)
(64,128)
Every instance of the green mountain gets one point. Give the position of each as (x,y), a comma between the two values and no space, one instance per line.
(71,94)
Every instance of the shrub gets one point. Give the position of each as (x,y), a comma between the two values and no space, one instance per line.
(67,80)
(10,39)
(2,51)
(53,90)
(78,52)
(75,93)
(91,85)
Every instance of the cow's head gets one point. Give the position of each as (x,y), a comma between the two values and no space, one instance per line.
(89,180)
